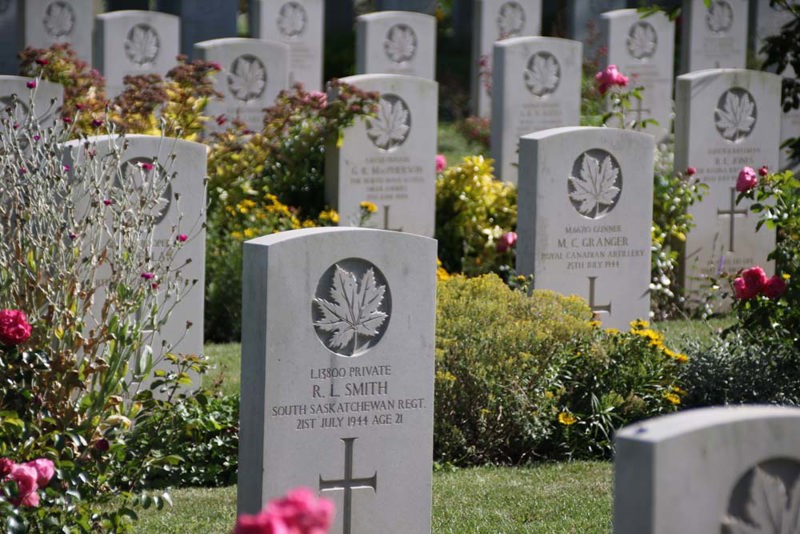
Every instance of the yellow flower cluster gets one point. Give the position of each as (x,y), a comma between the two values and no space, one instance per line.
(369,207)
(656,340)
(567,419)
(445,376)
(441,273)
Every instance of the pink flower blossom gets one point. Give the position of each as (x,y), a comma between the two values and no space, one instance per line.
(148,276)
(747,179)
(441,162)
(14,327)
(25,476)
(97,123)
(774,287)
(221,119)
(182,238)
(741,291)
(302,512)
(6,466)
(31,84)
(260,524)
(609,78)
(321,97)
(507,241)
(42,61)
(755,278)
(691,171)
(763,171)
(67,120)
(37,137)
(108,202)
(67,168)
(146,166)
(45,469)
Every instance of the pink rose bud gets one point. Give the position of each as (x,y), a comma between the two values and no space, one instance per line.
(441,162)
(6,466)
(507,241)
(45,469)
(755,278)
(774,287)
(763,171)
(14,327)
(182,237)
(691,171)
(747,179)
(31,84)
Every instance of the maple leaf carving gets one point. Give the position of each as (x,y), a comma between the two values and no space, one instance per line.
(510,20)
(401,43)
(59,19)
(353,310)
(142,44)
(642,40)
(248,78)
(595,187)
(542,74)
(719,17)
(390,128)
(736,117)
(140,173)
(292,19)
(771,509)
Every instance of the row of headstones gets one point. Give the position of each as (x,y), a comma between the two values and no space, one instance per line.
(338,387)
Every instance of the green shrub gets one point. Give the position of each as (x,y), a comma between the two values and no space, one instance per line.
(521,378)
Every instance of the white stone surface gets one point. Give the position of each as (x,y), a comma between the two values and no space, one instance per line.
(643,49)
(725,119)
(396,42)
(49,22)
(707,470)
(536,86)
(47,100)
(389,160)
(301,25)
(583,23)
(183,212)
(494,20)
(316,411)
(134,42)
(715,37)
(254,71)
(585,210)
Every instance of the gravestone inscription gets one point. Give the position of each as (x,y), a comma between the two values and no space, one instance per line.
(585,210)
(299,24)
(494,20)
(388,160)
(723,469)
(396,42)
(725,119)
(253,73)
(134,42)
(337,374)
(714,37)
(536,85)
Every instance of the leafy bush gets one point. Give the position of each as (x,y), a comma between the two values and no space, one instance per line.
(521,378)
(473,211)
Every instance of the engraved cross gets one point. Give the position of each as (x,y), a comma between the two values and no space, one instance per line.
(732,213)
(386,220)
(639,109)
(348,484)
(596,308)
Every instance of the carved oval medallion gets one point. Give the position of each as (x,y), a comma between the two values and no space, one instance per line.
(542,74)
(400,44)
(595,185)
(719,17)
(292,19)
(642,40)
(59,19)
(391,127)
(351,307)
(736,114)
(142,44)
(510,20)
(247,78)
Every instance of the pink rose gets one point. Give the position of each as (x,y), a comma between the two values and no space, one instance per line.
(321,97)
(302,512)
(755,278)
(691,171)
(741,291)
(747,179)
(774,287)
(506,241)
(609,78)
(45,469)
(763,171)
(14,327)
(25,476)
(6,466)
(261,523)
(441,162)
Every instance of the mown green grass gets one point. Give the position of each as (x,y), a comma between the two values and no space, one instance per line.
(549,498)
(454,146)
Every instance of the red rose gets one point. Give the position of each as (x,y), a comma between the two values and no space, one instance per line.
(755,278)
(774,287)
(741,291)
(14,327)
(6,466)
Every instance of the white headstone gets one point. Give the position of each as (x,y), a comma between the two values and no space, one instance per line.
(724,120)
(182,210)
(10,36)
(49,22)
(724,469)
(767,22)
(134,42)
(585,211)
(536,85)
(301,25)
(389,160)
(48,98)
(494,20)
(583,23)
(253,73)
(337,374)
(643,49)
(714,37)
(396,42)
